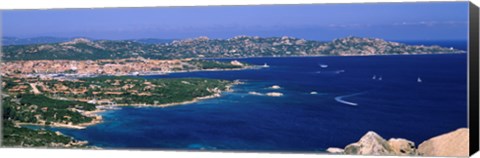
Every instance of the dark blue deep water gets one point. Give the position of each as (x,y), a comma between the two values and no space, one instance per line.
(396,106)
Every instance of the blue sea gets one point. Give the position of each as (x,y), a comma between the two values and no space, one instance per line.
(396,106)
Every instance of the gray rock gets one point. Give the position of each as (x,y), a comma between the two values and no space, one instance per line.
(454,143)
(370,144)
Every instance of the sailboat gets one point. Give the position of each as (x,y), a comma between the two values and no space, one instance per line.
(265,65)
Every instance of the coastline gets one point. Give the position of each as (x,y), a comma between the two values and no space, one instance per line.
(51,125)
(197,99)
(347,55)
(201,70)
(75,143)
(152,73)
(157,73)
(96,119)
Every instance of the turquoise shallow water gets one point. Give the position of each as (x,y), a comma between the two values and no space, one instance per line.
(396,106)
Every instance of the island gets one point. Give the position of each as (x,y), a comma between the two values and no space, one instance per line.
(204,47)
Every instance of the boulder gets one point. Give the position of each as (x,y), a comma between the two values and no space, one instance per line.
(402,146)
(370,144)
(455,143)
(335,150)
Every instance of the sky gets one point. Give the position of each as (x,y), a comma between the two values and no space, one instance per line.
(392,21)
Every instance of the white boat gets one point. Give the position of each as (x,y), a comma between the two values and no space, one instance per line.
(323,65)
(254,93)
(265,65)
(374,77)
(380,78)
(419,80)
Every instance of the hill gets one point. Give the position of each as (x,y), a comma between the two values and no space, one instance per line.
(203,47)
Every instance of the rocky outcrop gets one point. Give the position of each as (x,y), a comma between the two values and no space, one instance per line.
(370,144)
(373,144)
(402,146)
(455,143)
(336,150)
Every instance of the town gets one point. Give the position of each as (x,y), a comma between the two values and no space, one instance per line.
(113,67)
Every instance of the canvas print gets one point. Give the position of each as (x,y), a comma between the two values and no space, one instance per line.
(357,79)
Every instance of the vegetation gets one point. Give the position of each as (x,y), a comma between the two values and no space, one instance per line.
(136,90)
(17,85)
(30,108)
(24,137)
(56,103)
(42,101)
(15,136)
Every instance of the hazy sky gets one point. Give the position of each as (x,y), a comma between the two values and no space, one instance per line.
(393,21)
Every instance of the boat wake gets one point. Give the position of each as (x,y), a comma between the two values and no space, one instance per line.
(340,99)
(331,72)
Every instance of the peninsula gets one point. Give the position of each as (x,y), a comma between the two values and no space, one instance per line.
(75,103)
